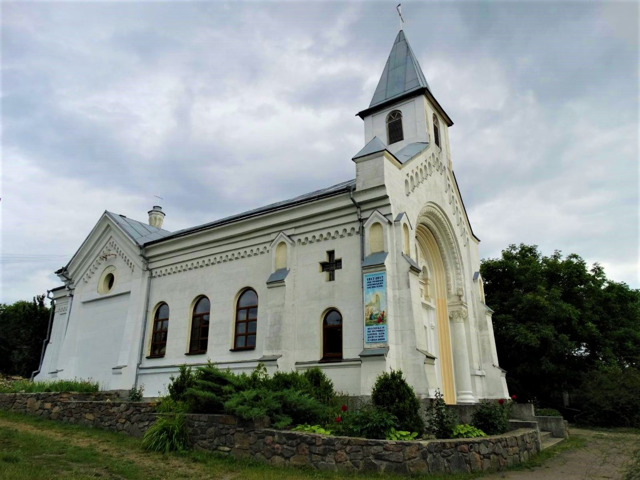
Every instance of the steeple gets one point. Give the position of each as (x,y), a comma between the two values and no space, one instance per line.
(402,73)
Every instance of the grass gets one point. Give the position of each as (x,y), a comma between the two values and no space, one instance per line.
(27,386)
(633,469)
(36,449)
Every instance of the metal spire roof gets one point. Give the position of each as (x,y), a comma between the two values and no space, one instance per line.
(402,73)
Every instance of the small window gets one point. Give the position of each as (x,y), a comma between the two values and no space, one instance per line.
(200,326)
(376,240)
(107,280)
(436,130)
(160,330)
(332,336)
(246,321)
(394,127)
(405,239)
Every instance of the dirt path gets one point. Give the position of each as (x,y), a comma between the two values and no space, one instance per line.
(605,456)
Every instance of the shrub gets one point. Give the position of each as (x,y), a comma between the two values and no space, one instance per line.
(167,434)
(306,428)
(368,422)
(321,386)
(135,394)
(547,412)
(400,435)
(492,417)
(169,405)
(180,384)
(465,430)
(393,394)
(440,420)
(211,388)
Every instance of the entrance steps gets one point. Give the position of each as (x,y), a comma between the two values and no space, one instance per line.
(547,441)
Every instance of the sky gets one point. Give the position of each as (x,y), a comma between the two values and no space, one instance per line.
(221,107)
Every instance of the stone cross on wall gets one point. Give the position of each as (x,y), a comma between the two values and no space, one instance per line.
(331,265)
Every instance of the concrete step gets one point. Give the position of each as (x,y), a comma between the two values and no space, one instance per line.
(547,441)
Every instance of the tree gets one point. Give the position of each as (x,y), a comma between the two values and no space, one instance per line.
(556,321)
(23,328)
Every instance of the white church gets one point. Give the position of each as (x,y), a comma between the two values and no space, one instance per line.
(377,273)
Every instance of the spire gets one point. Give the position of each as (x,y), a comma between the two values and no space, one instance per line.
(402,73)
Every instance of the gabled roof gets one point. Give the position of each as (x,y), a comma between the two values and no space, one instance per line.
(375,145)
(402,73)
(306,198)
(139,232)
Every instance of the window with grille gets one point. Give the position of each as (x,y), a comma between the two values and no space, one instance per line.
(200,326)
(246,321)
(160,330)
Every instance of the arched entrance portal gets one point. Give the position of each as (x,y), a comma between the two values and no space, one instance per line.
(435,293)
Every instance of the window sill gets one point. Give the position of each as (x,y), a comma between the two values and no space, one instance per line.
(196,353)
(244,349)
(154,356)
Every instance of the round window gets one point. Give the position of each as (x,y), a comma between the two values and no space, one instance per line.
(107,280)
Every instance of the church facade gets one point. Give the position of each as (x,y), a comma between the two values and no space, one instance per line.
(377,273)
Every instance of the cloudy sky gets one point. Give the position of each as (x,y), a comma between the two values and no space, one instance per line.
(219,107)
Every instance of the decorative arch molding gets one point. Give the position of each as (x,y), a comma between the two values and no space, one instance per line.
(329,235)
(434,219)
(111,249)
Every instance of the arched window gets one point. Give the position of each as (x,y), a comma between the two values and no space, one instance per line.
(394,127)
(376,240)
(200,326)
(332,336)
(281,256)
(246,321)
(436,130)
(160,329)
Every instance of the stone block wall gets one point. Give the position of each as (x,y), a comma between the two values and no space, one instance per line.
(254,439)
(101,409)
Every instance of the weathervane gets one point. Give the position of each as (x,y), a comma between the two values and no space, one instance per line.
(399,9)
(158,197)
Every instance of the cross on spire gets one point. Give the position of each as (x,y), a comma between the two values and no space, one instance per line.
(399,9)
(331,265)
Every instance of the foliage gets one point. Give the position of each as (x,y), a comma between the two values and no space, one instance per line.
(464,430)
(611,397)
(306,428)
(210,388)
(169,405)
(368,422)
(23,328)
(633,469)
(547,412)
(400,435)
(321,387)
(557,321)
(440,420)
(180,384)
(168,434)
(27,386)
(392,393)
(492,417)
(283,407)
(135,394)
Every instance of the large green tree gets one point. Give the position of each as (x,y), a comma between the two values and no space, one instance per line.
(556,321)
(23,328)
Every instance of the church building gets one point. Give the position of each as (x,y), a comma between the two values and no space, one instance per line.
(377,273)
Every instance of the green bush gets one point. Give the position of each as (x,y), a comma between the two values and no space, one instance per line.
(465,430)
(610,398)
(306,428)
(400,435)
(211,388)
(547,412)
(492,417)
(179,385)
(169,405)
(167,434)
(27,386)
(135,394)
(393,394)
(321,386)
(440,419)
(368,422)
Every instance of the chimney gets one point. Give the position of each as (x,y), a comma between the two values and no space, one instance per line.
(156,216)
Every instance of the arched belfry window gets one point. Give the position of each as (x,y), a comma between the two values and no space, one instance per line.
(200,326)
(246,321)
(436,130)
(394,127)
(160,330)
(332,336)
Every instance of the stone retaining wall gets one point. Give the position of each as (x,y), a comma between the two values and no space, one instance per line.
(102,409)
(231,436)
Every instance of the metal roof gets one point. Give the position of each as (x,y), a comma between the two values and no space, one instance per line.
(375,145)
(139,232)
(407,152)
(306,198)
(402,73)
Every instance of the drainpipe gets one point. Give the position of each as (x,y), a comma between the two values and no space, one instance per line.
(45,342)
(145,314)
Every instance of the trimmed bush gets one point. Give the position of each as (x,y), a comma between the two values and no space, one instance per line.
(393,394)
(440,419)
(492,417)
(368,422)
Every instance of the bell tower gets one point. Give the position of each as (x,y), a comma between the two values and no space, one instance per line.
(403,112)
